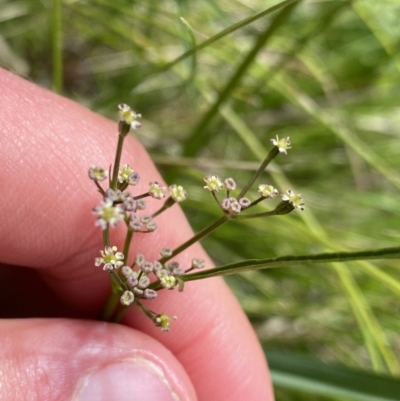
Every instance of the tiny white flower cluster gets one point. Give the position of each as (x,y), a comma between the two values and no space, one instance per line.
(282,144)
(128,116)
(142,279)
(233,206)
(116,203)
(119,204)
(137,282)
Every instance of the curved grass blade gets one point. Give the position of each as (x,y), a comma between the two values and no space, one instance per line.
(199,135)
(313,376)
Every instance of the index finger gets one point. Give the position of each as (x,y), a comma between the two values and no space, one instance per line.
(48,143)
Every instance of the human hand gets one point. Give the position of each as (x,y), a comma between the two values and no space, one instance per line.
(48,243)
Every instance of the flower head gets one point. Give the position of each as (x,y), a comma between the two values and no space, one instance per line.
(178,194)
(127,298)
(295,199)
(168,282)
(157,190)
(282,144)
(267,191)
(214,184)
(198,263)
(97,173)
(230,184)
(244,203)
(163,321)
(166,251)
(108,214)
(110,258)
(128,116)
(124,172)
(231,206)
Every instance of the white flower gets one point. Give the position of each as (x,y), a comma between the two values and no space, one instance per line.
(178,194)
(127,298)
(128,116)
(124,172)
(295,199)
(282,144)
(214,184)
(267,191)
(97,173)
(108,214)
(157,190)
(110,258)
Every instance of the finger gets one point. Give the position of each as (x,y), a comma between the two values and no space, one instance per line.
(59,359)
(57,140)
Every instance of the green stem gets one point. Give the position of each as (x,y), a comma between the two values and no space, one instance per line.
(109,307)
(113,300)
(120,314)
(100,188)
(148,313)
(254,215)
(106,236)
(291,260)
(167,204)
(127,244)
(117,161)
(271,155)
(201,234)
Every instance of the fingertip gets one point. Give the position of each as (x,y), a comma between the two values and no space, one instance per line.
(60,359)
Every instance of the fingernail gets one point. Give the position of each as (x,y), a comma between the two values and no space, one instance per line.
(132,380)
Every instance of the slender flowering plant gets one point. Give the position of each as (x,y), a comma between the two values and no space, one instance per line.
(136,279)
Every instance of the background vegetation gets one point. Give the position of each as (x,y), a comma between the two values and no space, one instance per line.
(325,73)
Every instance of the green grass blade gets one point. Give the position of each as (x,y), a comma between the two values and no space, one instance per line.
(228,31)
(312,376)
(200,136)
(287,88)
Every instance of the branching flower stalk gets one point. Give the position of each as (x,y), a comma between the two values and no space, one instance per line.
(138,281)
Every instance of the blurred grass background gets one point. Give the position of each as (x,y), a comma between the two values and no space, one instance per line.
(325,73)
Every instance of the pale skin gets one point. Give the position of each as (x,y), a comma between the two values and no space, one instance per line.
(48,243)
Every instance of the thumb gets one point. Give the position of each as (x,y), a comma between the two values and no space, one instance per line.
(61,359)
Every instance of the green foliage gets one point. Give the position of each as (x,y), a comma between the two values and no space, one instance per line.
(213,91)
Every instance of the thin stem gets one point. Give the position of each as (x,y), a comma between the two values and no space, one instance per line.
(271,155)
(215,197)
(109,307)
(100,188)
(106,236)
(117,286)
(147,312)
(120,314)
(167,204)
(254,215)
(117,161)
(197,237)
(127,244)
(145,195)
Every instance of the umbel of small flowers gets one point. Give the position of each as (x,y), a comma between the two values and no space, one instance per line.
(139,280)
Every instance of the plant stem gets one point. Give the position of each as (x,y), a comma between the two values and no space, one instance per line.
(254,215)
(117,161)
(167,204)
(127,244)
(201,234)
(106,236)
(271,155)
(109,307)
